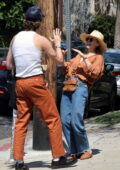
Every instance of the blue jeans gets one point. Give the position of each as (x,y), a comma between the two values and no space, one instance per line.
(72,117)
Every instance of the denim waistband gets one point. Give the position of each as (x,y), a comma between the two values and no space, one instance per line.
(79,81)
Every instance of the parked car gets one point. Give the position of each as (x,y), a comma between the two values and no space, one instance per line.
(5,83)
(103,93)
(112,56)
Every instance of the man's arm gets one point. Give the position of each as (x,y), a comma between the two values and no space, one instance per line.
(9,58)
(57,55)
(44,44)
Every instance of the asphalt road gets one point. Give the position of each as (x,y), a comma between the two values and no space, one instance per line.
(5,126)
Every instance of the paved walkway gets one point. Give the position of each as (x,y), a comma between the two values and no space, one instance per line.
(104,141)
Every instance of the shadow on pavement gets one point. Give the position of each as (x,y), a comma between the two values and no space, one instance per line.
(39,164)
(96,151)
(35,164)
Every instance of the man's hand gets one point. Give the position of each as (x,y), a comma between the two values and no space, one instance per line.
(56,37)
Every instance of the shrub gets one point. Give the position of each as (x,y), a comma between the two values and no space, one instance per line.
(105,24)
(11,18)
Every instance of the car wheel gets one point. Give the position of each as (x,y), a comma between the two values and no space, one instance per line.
(110,105)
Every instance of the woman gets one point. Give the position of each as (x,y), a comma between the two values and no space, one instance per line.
(81,73)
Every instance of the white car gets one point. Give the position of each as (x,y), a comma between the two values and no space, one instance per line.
(112,56)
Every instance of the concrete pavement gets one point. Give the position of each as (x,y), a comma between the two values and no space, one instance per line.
(104,141)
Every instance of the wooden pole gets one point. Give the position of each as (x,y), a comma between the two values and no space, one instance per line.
(40,131)
(60,14)
(46,29)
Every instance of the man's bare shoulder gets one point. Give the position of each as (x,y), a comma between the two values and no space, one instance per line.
(40,38)
(41,42)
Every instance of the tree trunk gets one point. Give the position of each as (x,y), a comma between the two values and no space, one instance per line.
(103,6)
(117,27)
(80,19)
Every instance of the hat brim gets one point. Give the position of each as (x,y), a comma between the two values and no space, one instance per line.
(103,45)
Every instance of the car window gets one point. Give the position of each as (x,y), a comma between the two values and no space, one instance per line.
(3,52)
(112,58)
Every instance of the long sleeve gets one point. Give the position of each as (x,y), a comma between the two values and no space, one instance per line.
(96,69)
(89,74)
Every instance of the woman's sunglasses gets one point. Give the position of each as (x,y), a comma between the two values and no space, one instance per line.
(91,39)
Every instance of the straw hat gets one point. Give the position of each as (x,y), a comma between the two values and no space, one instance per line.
(97,35)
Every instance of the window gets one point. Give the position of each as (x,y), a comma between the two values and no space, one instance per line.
(112,57)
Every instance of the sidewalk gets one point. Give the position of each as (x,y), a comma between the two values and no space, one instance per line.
(104,141)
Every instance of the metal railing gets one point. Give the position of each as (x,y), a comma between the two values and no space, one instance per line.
(68,28)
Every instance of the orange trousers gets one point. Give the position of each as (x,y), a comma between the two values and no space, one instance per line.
(31,92)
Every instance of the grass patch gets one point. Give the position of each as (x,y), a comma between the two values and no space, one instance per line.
(109,118)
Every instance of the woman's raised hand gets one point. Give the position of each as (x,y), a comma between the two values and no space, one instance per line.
(80,53)
(56,36)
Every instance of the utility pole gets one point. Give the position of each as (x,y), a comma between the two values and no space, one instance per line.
(68,27)
(40,131)
(60,14)
(46,29)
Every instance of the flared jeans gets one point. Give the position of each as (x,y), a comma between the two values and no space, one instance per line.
(72,117)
